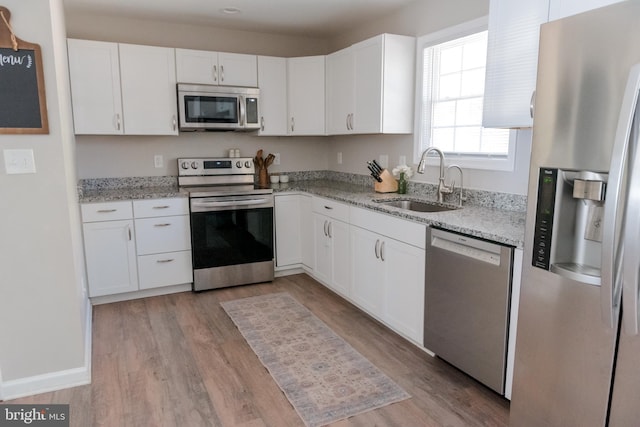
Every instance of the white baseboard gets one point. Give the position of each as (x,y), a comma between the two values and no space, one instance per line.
(52,381)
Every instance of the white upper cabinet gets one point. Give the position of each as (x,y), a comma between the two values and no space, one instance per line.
(272,81)
(306,95)
(149,100)
(340,91)
(563,8)
(122,88)
(512,61)
(216,68)
(94,71)
(370,86)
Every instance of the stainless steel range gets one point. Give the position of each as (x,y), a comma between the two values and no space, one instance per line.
(231,222)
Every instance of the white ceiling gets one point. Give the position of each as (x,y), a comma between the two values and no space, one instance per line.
(318,18)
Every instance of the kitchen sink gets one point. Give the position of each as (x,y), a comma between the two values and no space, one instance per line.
(417,206)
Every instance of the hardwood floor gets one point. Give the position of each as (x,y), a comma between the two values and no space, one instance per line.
(178,360)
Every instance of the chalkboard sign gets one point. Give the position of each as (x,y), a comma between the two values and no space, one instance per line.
(22,96)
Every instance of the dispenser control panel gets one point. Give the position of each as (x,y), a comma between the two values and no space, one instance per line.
(544,217)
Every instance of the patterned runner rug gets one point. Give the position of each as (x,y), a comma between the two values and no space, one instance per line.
(323,377)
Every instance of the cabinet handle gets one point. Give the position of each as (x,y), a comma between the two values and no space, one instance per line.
(532,104)
(215,73)
(129,232)
(377,248)
(293,124)
(262,123)
(107,210)
(347,121)
(161,207)
(329,228)
(328,207)
(325,228)
(222,73)
(166,224)
(382,251)
(174,122)
(162,261)
(351,121)
(117,121)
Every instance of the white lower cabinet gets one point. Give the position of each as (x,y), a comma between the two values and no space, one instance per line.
(131,246)
(288,219)
(388,270)
(331,237)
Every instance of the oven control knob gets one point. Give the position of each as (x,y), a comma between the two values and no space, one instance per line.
(184,165)
(194,165)
(238,164)
(247,164)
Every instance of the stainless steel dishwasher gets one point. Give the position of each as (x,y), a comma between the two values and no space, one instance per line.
(467,299)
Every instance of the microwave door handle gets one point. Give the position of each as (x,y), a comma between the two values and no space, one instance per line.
(243,112)
(612,250)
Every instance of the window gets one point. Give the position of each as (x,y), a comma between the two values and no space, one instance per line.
(450,99)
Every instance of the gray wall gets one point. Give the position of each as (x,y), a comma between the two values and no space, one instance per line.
(43,306)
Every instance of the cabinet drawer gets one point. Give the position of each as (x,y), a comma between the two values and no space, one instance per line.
(164,234)
(106,211)
(331,208)
(172,268)
(160,207)
(403,230)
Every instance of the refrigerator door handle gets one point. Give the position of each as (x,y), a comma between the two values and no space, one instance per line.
(631,261)
(610,291)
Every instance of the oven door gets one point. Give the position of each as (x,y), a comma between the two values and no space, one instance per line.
(232,240)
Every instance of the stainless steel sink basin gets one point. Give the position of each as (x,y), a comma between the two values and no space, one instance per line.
(417,206)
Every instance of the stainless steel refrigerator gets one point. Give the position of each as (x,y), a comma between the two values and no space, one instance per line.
(577,357)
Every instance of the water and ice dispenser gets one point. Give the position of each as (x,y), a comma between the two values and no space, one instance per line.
(569,219)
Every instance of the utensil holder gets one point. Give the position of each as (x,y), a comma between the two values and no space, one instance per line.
(388,184)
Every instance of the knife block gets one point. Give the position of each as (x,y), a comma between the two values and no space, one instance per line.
(388,184)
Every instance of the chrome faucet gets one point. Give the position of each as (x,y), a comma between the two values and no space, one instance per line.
(453,183)
(442,188)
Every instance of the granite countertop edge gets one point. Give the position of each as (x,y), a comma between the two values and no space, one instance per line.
(498,225)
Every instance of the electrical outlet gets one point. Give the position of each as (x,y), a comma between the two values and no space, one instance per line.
(19,161)
(384,161)
(339,158)
(276,160)
(158,161)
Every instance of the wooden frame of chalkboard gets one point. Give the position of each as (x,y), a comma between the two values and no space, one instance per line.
(23,105)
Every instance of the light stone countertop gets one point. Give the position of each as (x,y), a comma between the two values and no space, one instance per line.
(502,226)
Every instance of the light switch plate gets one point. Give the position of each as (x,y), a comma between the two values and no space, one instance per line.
(158,161)
(18,161)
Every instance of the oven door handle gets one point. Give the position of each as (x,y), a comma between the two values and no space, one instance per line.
(219,204)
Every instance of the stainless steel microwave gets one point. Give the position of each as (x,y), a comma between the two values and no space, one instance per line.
(208,107)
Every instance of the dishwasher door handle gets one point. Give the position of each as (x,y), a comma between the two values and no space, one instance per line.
(479,250)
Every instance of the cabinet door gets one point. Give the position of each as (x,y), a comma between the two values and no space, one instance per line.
(305,94)
(340,99)
(323,254)
(368,67)
(404,288)
(341,260)
(148,79)
(306,231)
(110,253)
(238,69)
(562,8)
(94,75)
(512,60)
(288,230)
(272,81)
(367,271)
(196,66)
